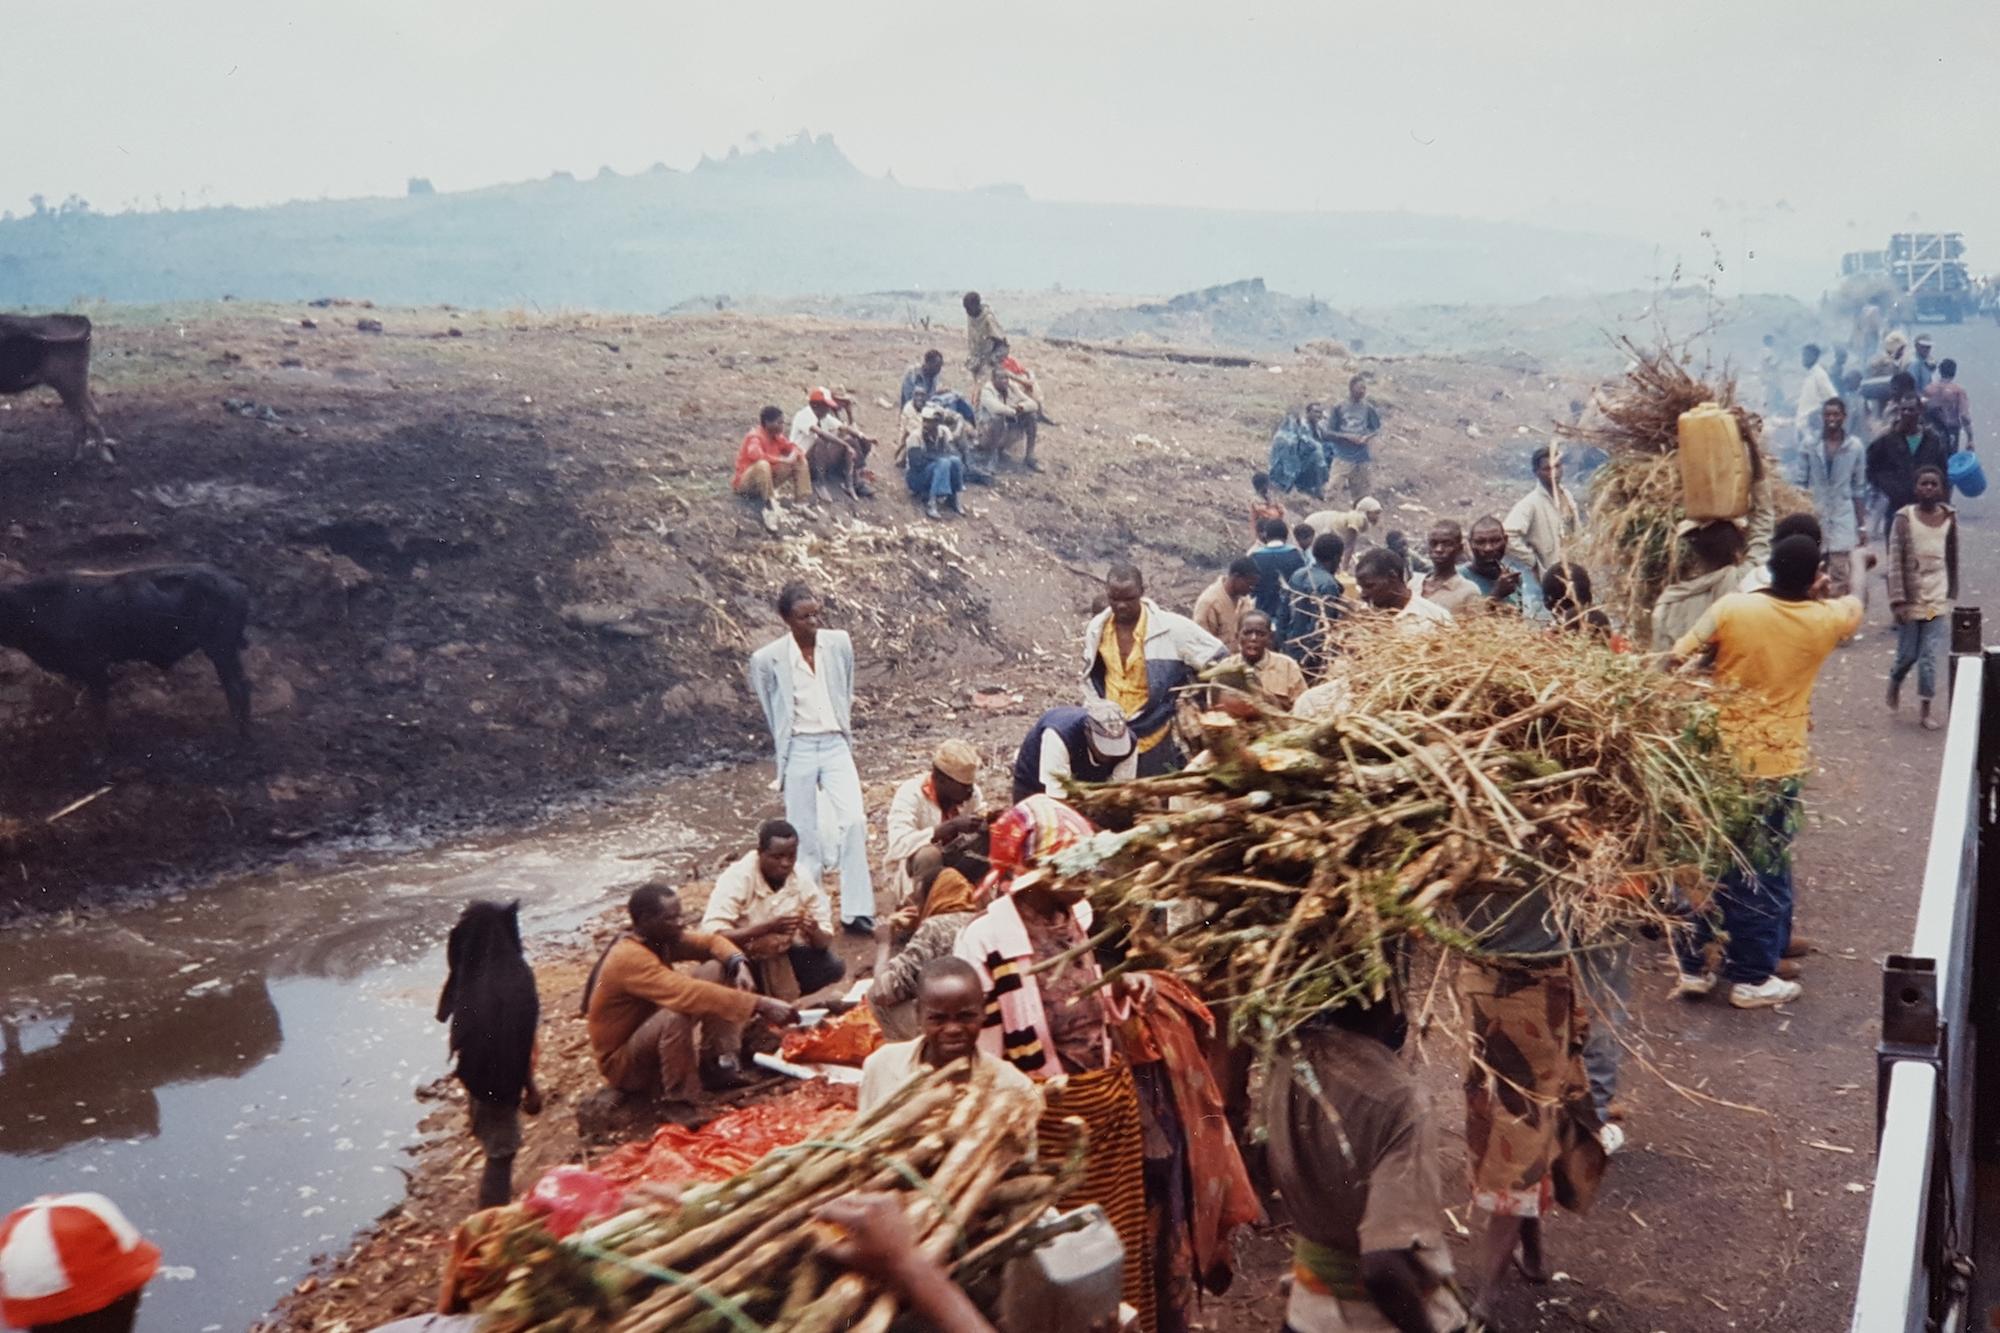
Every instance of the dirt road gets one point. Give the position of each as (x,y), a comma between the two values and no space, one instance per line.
(1716,1218)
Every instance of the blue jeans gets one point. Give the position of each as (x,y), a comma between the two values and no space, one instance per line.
(943,476)
(818,764)
(1918,644)
(1606,972)
(1754,900)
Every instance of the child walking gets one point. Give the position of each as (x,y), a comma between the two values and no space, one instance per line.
(1923,583)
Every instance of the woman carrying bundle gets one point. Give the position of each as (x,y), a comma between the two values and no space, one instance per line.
(1530,1127)
(489,998)
(1048,1016)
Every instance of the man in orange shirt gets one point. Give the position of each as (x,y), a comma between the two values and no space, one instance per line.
(642,1016)
(768,462)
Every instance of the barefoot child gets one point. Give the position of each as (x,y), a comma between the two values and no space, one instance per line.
(1923,582)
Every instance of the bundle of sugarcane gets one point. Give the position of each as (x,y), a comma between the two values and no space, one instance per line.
(1636,498)
(1495,757)
(746,1253)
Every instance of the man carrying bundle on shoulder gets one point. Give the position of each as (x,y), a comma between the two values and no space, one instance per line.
(1770,645)
(1531,1129)
(1355,1159)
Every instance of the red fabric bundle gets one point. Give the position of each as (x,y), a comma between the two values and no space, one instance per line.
(732,1142)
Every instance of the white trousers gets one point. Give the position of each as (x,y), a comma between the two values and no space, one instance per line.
(820,768)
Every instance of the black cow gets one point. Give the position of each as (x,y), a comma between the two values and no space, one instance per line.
(54,350)
(78,624)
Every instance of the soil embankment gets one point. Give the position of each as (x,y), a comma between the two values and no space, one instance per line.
(495,561)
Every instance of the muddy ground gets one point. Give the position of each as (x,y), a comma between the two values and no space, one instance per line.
(495,561)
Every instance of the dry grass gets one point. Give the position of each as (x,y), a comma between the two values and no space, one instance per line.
(1500,757)
(1637,498)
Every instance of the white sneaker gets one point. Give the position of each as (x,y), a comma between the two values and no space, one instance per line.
(1775,991)
(1611,1137)
(1691,987)
(771,517)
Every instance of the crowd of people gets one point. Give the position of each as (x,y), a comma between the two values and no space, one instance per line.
(945,438)
(974,960)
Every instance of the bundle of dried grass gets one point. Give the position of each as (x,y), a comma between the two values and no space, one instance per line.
(1636,498)
(955,1146)
(1497,757)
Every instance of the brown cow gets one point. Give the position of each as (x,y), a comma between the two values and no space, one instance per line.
(54,350)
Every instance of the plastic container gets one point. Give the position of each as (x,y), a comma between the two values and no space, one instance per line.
(1715,467)
(1963,471)
(1069,1285)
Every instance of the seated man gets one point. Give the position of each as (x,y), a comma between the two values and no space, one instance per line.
(835,450)
(951,1007)
(769,463)
(1090,743)
(923,378)
(773,909)
(932,465)
(647,1021)
(1005,415)
(1024,380)
(928,815)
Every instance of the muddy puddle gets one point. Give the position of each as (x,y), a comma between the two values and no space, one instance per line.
(236,1065)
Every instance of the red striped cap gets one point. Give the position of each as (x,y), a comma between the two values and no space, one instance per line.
(66,1255)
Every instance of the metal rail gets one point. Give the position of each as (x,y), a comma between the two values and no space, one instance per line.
(1915,1269)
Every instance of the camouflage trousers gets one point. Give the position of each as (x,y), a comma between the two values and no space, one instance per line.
(1530,1126)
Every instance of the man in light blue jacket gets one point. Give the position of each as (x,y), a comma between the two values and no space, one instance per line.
(805,682)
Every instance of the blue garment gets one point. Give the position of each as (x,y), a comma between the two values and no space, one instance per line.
(1918,643)
(915,379)
(1313,601)
(938,476)
(1834,487)
(1921,373)
(1275,564)
(1072,724)
(1754,902)
(1297,462)
(1527,599)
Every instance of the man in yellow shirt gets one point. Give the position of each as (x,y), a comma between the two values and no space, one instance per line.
(1139,655)
(1770,646)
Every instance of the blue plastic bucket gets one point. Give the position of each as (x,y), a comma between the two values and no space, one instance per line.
(1967,477)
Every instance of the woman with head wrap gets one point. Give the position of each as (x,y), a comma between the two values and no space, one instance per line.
(1123,1059)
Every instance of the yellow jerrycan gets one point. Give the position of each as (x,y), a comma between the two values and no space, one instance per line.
(1715,464)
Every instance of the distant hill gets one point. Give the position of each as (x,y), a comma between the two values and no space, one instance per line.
(796,218)
(1244,314)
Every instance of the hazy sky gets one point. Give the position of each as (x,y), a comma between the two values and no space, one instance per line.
(1784,128)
